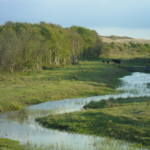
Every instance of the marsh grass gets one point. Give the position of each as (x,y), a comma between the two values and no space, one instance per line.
(6,144)
(126,119)
(86,79)
(104,103)
(136,62)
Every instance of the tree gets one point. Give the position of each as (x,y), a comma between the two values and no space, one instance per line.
(92,42)
(76,46)
(29,47)
(10,53)
(106,51)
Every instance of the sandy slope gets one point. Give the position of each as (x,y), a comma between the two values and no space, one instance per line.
(123,39)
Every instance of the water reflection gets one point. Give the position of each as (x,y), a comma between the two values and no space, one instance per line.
(21,125)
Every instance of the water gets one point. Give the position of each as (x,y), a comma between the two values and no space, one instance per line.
(21,125)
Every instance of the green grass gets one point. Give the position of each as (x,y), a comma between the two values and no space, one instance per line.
(137,62)
(128,55)
(132,61)
(86,79)
(6,144)
(125,119)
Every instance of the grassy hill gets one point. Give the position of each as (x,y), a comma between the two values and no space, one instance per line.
(125,47)
(123,39)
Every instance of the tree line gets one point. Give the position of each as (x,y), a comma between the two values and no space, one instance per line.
(31,47)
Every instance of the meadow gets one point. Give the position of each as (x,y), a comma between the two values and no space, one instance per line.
(88,78)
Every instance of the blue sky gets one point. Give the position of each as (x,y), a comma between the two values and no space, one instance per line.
(107,17)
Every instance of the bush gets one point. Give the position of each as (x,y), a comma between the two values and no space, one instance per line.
(110,104)
(75,77)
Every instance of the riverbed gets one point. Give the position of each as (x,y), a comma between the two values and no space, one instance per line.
(21,125)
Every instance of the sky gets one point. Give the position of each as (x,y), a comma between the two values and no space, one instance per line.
(108,17)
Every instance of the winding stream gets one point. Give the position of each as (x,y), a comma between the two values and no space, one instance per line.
(21,125)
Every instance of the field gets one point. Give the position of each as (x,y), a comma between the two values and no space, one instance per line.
(83,80)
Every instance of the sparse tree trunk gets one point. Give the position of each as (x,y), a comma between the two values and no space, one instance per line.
(58,62)
(64,62)
(37,64)
(12,68)
(50,61)
(55,61)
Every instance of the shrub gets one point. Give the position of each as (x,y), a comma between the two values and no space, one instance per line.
(75,77)
(110,104)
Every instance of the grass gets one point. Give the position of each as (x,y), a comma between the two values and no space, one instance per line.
(133,61)
(86,79)
(127,54)
(137,62)
(6,144)
(125,119)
